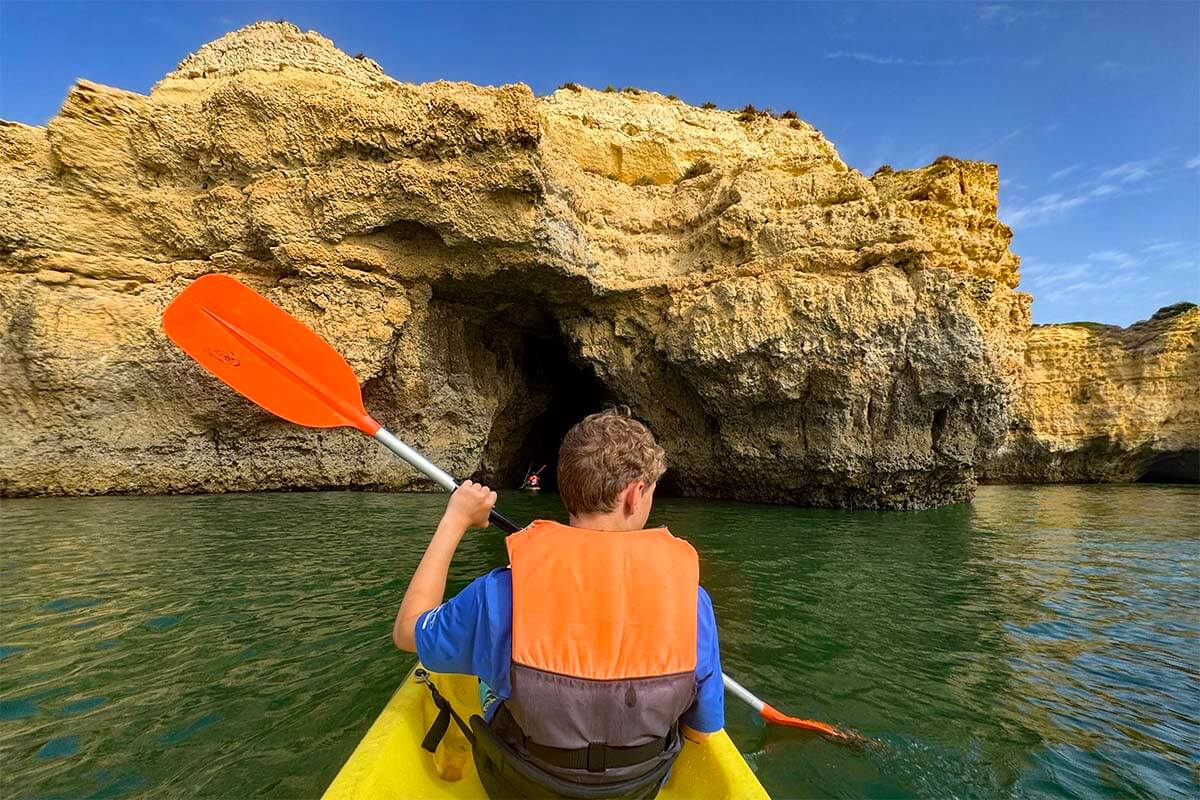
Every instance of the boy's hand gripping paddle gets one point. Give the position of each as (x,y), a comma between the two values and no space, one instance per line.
(275,361)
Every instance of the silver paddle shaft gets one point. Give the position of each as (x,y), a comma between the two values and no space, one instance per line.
(742,693)
(419,462)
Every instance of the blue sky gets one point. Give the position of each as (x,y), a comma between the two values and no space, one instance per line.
(1092,111)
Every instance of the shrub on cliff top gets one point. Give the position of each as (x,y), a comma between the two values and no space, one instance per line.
(574,87)
(631,90)
(708,105)
(609,89)
(943,159)
(797,124)
(884,169)
(748,113)
(789,114)
(672,97)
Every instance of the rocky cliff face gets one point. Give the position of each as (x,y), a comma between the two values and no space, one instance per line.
(493,265)
(1107,404)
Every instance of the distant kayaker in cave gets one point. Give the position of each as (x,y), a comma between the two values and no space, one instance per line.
(533,480)
(596,648)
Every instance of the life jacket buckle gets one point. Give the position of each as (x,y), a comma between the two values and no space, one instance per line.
(597,756)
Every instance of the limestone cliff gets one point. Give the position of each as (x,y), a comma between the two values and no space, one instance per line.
(494,264)
(1106,404)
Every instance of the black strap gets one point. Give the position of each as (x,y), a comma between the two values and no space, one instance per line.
(446,712)
(598,756)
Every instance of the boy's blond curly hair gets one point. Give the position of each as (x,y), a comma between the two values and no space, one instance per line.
(603,454)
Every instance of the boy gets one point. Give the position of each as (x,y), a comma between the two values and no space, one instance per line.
(597,641)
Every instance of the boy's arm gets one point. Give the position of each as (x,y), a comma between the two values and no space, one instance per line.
(469,507)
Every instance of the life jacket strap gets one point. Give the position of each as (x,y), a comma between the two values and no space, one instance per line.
(597,756)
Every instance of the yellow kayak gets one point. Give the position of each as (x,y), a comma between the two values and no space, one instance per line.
(389,762)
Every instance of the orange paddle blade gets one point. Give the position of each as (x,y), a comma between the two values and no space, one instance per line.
(776,717)
(265,354)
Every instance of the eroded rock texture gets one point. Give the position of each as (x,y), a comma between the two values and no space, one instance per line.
(1108,404)
(493,265)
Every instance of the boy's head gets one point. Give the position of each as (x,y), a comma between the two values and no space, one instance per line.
(609,464)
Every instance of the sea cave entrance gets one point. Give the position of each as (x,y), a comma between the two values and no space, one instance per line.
(572,391)
(1180,467)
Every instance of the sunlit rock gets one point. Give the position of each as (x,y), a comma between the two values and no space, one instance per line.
(493,265)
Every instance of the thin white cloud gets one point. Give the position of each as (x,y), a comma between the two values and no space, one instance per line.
(1043,275)
(867,57)
(1093,286)
(1114,67)
(1052,127)
(1138,176)
(1116,257)
(997,13)
(1065,171)
(1043,210)
(1008,137)
(886,60)
(1110,283)
(1192,163)
(1162,248)
(918,158)
(1132,171)
(1103,270)
(1007,14)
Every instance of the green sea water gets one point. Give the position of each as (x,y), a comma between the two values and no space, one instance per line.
(1039,642)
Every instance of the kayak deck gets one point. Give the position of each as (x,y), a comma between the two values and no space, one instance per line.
(389,761)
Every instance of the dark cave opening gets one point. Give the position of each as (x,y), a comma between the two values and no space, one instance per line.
(574,392)
(1181,467)
(510,320)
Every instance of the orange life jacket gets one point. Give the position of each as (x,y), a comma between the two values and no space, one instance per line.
(603,640)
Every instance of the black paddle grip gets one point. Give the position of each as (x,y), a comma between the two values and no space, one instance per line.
(502,522)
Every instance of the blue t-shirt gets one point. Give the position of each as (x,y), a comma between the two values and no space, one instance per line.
(471,634)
